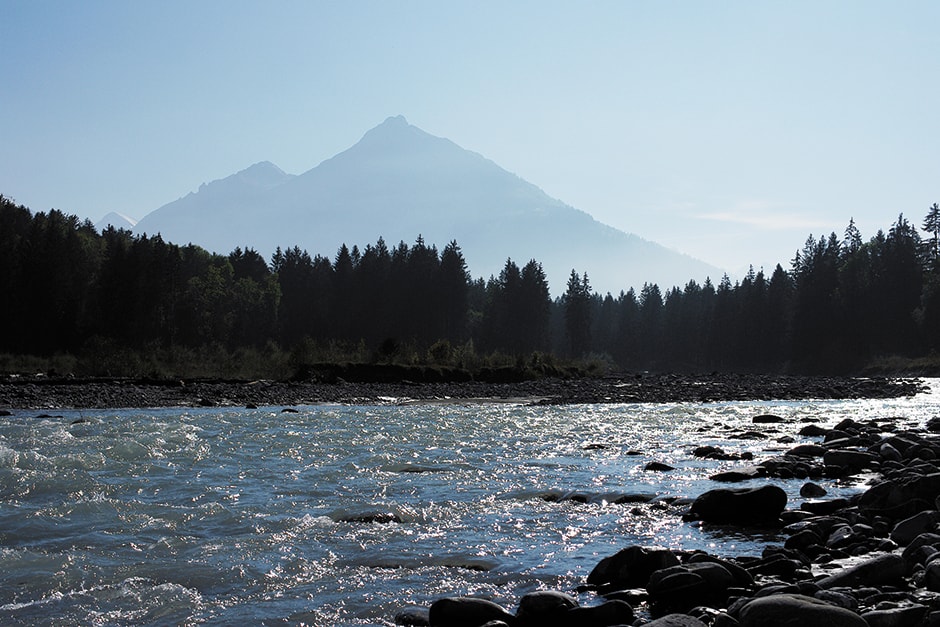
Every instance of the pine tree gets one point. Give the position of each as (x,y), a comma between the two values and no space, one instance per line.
(577,304)
(932,226)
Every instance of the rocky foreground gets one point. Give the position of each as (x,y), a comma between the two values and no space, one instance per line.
(869,561)
(46,392)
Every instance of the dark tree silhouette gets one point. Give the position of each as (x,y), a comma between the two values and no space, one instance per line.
(843,304)
(577,305)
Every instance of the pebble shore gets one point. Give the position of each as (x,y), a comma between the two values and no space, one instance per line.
(46,392)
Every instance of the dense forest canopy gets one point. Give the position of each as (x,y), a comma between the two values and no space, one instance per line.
(842,303)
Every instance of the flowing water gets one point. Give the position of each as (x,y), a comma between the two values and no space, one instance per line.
(342,515)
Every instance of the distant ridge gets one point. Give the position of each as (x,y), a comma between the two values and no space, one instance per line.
(117,220)
(399,182)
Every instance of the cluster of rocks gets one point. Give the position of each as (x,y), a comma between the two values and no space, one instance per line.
(871,560)
(48,392)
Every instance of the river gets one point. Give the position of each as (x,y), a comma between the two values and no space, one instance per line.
(342,515)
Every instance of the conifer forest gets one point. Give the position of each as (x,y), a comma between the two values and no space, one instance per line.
(112,299)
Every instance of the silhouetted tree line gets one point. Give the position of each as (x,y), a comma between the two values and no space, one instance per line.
(843,302)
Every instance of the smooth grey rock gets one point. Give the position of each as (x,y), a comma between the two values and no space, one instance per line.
(932,575)
(921,548)
(545,607)
(764,419)
(907,616)
(824,507)
(754,506)
(890,453)
(604,615)
(923,522)
(466,612)
(742,578)
(881,570)
(796,610)
(808,450)
(813,431)
(740,474)
(902,497)
(631,567)
(802,540)
(812,490)
(675,620)
(413,616)
(852,460)
(839,599)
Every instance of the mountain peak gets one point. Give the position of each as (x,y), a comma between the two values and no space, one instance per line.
(399,181)
(394,130)
(262,175)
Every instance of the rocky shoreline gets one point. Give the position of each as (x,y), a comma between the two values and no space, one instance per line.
(48,392)
(872,560)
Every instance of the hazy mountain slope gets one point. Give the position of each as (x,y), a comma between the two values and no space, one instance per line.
(222,214)
(398,182)
(117,220)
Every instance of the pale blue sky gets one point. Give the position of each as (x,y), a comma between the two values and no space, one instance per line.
(726,130)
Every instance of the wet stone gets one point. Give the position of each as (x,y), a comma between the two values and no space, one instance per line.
(604,615)
(896,617)
(786,610)
(824,508)
(631,567)
(675,620)
(812,490)
(753,506)
(767,419)
(546,607)
(413,616)
(466,612)
(885,569)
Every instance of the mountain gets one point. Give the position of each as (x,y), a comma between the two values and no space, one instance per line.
(117,220)
(399,182)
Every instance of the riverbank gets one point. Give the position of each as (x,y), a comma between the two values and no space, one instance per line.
(43,392)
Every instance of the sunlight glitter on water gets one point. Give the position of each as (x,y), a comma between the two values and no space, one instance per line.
(342,515)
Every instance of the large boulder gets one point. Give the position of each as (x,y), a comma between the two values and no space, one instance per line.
(897,616)
(466,612)
(850,460)
(906,530)
(745,507)
(413,616)
(604,615)
(545,608)
(788,610)
(807,450)
(903,497)
(675,620)
(878,571)
(681,588)
(631,567)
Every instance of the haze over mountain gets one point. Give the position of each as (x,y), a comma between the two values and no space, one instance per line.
(399,182)
(117,220)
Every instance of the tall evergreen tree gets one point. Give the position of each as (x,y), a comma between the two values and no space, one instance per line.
(577,304)
(932,226)
(453,290)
